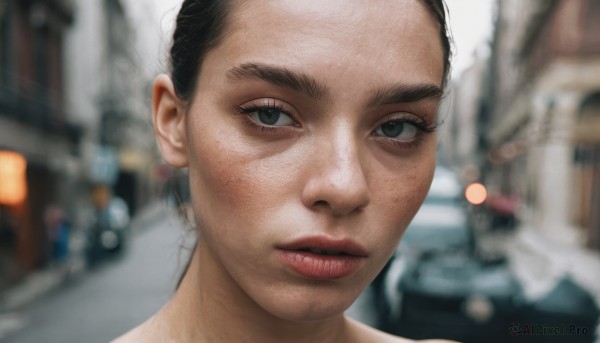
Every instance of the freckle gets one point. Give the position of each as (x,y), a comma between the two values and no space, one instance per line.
(228,179)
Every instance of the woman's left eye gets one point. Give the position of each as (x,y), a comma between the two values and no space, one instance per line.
(270,117)
(397,129)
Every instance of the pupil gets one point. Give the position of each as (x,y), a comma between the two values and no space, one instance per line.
(392,129)
(269,116)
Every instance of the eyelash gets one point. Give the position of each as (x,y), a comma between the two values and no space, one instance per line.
(422,127)
(262,128)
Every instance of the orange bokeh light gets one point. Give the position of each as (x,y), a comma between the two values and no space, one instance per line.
(476,193)
(13,179)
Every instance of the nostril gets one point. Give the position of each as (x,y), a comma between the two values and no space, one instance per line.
(320,203)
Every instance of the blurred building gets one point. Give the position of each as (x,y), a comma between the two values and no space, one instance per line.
(539,114)
(35,126)
(74,113)
(465,138)
(110,92)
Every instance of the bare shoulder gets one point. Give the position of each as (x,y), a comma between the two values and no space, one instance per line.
(364,333)
(126,338)
(147,332)
(133,336)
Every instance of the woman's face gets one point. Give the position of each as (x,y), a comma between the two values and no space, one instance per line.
(310,147)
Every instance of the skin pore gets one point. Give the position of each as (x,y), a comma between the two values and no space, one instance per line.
(310,119)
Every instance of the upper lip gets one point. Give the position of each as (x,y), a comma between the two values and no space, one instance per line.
(347,246)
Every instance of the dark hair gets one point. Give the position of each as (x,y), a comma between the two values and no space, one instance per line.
(439,10)
(201,25)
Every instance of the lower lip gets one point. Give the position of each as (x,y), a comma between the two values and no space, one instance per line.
(318,266)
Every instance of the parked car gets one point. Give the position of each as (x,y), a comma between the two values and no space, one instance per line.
(441,224)
(434,286)
(451,296)
(437,286)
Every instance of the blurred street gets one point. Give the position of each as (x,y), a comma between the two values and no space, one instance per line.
(103,303)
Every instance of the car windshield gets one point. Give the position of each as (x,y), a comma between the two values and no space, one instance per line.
(440,216)
(441,222)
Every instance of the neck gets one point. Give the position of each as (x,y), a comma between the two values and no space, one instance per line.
(209,306)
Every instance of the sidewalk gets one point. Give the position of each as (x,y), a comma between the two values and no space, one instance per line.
(43,281)
(540,263)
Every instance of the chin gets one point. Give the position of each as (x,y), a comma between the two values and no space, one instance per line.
(310,306)
(310,313)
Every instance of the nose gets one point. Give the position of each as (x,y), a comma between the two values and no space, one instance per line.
(337,181)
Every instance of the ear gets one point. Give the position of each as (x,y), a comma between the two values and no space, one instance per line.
(168,117)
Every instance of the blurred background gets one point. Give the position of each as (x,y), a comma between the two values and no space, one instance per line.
(506,247)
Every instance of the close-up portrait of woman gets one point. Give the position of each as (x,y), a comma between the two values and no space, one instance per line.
(308,129)
(291,171)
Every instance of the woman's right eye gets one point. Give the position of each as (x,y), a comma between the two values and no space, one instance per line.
(270,116)
(268,112)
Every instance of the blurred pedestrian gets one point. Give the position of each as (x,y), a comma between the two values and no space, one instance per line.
(57,230)
(308,130)
(109,224)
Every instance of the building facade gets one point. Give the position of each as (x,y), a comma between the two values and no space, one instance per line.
(110,92)
(543,123)
(71,93)
(35,126)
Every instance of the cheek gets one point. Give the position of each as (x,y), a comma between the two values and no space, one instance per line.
(220,180)
(231,187)
(403,193)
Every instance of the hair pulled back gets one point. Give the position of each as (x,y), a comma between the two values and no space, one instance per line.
(439,10)
(201,24)
(199,27)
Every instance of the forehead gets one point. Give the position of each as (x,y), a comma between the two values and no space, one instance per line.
(394,39)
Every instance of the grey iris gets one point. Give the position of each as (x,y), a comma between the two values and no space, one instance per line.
(392,129)
(269,116)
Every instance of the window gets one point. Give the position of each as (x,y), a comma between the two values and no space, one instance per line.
(5,44)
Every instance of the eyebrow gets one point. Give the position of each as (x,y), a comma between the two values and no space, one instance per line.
(308,85)
(405,93)
(279,76)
